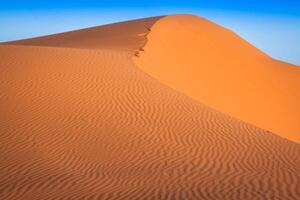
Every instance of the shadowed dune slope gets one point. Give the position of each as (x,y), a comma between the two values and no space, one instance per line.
(125,36)
(80,120)
(220,69)
(90,124)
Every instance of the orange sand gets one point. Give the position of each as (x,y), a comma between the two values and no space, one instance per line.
(218,68)
(81,119)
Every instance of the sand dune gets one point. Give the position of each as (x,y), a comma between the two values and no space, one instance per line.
(124,36)
(221,70)
(83,120)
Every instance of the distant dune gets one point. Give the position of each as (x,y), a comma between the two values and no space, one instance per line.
(171,107)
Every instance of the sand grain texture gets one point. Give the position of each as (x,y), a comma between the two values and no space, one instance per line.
(89,123)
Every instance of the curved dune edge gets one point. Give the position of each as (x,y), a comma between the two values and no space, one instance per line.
(220,69)
(87,123)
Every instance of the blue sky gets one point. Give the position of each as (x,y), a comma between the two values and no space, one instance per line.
(273,26)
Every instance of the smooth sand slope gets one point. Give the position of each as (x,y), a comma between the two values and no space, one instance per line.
(125,36)
(88,123)
(220,69)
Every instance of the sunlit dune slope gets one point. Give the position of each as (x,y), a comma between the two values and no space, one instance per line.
(218,68)
(85,123)
(80,119)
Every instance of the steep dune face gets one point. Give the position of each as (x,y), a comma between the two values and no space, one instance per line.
(218,68)
(85,122)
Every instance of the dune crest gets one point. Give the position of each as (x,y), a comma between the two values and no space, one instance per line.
(126,36)
(80,120)
(221,70)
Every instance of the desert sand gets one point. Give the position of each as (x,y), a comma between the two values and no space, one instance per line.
(171,107)
(220,69)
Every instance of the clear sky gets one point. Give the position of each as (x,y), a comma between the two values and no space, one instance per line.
(271,25)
